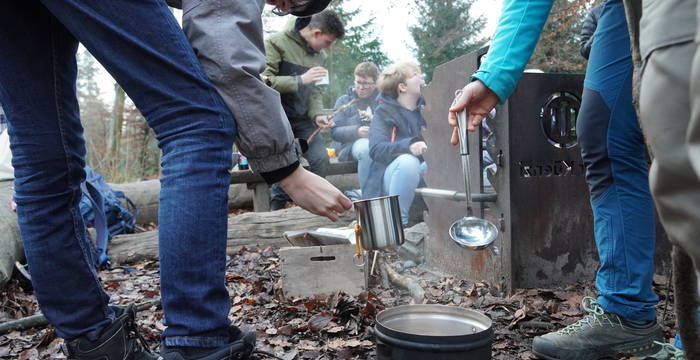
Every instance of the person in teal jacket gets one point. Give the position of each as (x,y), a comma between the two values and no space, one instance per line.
(623,318)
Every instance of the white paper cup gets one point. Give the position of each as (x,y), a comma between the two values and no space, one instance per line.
(324,81)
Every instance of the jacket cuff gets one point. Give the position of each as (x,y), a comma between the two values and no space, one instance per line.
(415,140)
(502,89)
(276,161)
(278,175)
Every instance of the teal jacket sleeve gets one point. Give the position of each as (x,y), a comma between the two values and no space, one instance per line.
(517,33)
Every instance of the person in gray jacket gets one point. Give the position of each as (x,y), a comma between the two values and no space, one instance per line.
(232,54)
(669,105)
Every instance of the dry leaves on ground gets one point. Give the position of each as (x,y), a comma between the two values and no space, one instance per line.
(331,326)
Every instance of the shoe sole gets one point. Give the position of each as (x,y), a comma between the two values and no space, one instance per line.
(640,353)
(547,357)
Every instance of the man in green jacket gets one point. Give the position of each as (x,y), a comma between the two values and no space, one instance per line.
(295,68)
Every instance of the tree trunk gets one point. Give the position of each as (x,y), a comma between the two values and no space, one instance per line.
(145,195)
(10,246)
(115,132)
(249,229)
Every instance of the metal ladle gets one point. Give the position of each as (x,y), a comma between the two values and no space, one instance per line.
(470,232)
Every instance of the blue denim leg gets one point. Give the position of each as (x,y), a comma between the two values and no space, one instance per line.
(142,46)
(613,150)
(360,152)
(401,178)
(37,87)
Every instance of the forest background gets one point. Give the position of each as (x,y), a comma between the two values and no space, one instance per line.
(123,149)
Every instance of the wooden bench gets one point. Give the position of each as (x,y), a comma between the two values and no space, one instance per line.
(261,191)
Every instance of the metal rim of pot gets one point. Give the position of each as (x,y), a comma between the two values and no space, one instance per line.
(436,343)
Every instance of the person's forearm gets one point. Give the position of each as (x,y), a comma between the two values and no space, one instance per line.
(517,33)
(316,103)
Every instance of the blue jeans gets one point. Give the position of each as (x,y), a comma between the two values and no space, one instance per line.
(360,152)
(613,150)
(401,178)
(142,46)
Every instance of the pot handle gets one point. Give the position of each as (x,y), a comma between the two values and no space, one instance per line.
(358,246)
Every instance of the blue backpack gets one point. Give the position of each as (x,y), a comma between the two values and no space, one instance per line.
(110,212)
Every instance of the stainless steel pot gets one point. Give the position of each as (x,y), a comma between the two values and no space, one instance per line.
(380,226)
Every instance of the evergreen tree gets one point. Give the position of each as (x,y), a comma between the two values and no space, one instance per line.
(361,43)
(558,46)
(445,30)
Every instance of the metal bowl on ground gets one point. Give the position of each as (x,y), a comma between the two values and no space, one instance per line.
(433,332)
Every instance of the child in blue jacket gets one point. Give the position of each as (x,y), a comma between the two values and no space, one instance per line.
(396,144)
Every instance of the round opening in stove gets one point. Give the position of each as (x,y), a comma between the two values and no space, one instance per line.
(558,118)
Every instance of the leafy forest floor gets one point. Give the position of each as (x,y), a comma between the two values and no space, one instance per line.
(335,326)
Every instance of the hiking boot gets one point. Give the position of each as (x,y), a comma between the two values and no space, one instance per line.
(668,352)
(240,348)
(118,341)
(598,335)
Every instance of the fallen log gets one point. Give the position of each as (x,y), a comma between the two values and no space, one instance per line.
(250,229)
(145,194)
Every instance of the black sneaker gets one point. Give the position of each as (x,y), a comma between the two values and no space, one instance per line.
(241,347)
(118,341)
(598,335)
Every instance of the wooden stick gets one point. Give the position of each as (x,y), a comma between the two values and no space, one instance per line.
(313,134)
(23,324)
(374,262)
(330,117)
(39,320)
(405,282)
